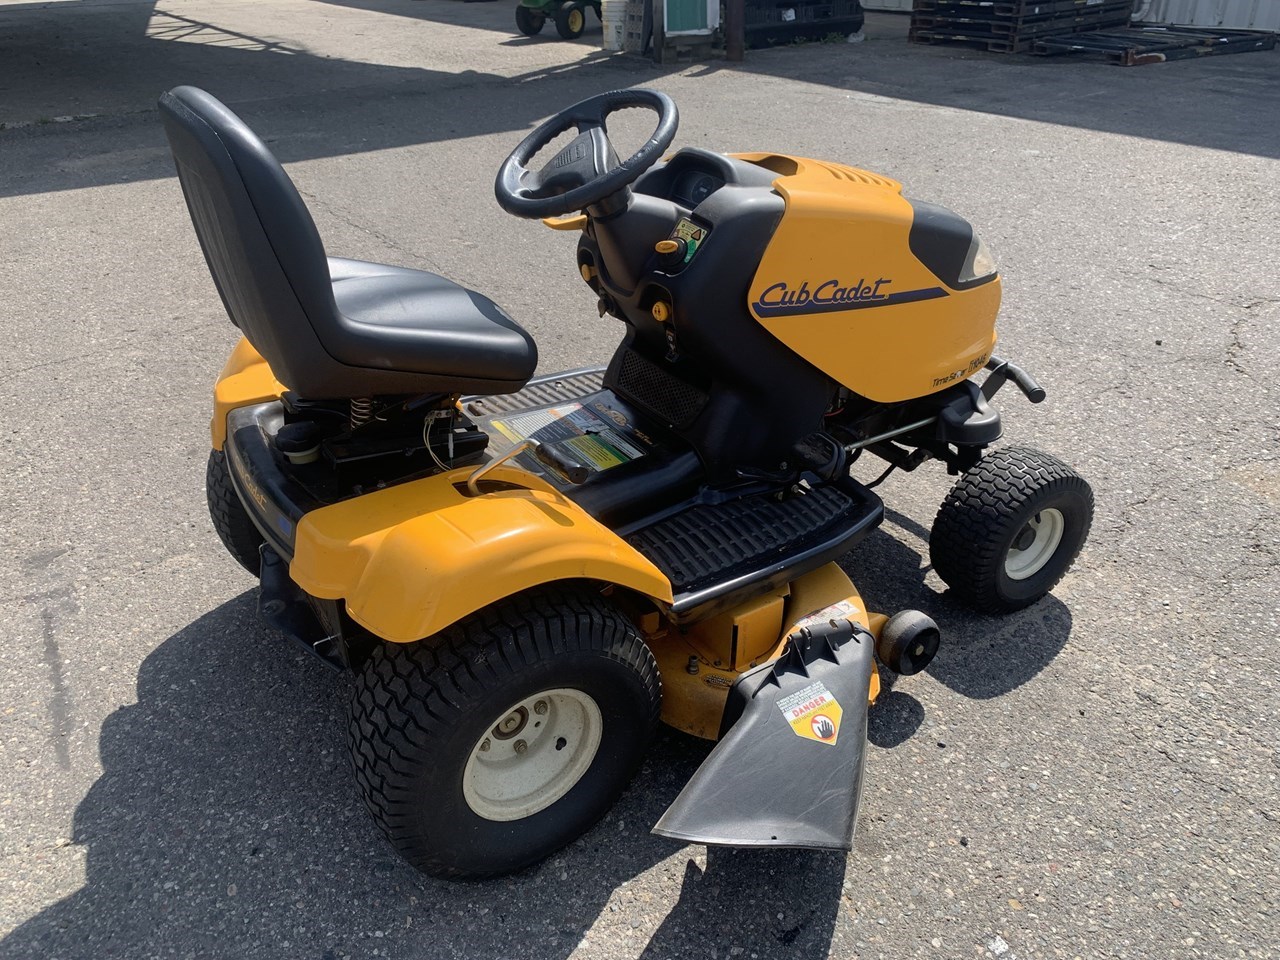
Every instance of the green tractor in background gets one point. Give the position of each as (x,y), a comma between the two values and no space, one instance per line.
(570,16)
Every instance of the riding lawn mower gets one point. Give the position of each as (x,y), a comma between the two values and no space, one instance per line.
(523,575)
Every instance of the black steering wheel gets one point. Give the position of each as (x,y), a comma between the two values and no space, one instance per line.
(587,170)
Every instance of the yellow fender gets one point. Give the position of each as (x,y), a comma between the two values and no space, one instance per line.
(246,378)
(414,558)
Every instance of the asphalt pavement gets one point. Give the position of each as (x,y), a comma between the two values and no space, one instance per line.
(1093,777)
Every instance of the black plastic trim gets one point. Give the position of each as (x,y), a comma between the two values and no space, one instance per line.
(275,502)
(940,239)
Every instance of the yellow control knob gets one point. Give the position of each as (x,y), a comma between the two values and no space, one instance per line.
(661,312)
(666,246)
(587,272)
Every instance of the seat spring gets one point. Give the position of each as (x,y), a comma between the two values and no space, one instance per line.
(361,410)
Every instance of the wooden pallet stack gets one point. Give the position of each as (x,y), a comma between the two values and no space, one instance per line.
(1011,26)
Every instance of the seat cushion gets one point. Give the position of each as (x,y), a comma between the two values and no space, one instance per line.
(411,321)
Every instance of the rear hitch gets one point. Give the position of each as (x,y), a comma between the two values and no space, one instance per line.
(283,606)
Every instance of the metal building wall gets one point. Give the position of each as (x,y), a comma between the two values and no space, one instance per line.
(1259,14)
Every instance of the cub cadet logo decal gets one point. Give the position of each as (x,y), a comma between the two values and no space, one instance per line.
(813,713)
(255,492)
(781,300)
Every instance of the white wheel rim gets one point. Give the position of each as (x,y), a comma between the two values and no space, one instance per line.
(1044,531)
(532,755)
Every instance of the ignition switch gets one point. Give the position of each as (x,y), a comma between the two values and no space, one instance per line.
(671,252)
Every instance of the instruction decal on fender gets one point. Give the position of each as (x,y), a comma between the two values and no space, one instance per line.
(813,713)
(595,442)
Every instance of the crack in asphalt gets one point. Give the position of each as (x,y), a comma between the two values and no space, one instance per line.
(1236,346)
(384,238)
(1202,780)
(53,603)
(125,341)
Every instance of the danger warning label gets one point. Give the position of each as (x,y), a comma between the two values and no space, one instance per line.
(813,713)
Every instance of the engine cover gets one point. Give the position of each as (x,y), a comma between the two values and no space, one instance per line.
(866,286)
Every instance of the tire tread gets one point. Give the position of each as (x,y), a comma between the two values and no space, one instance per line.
(402,698)
(230,519)
(967,541)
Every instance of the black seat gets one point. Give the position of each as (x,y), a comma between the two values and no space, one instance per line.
(330,328)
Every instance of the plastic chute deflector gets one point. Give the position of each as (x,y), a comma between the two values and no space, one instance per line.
(787,771)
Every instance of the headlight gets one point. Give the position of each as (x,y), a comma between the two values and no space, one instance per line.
(978,264)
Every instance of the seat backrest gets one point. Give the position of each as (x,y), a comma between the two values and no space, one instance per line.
(260,242)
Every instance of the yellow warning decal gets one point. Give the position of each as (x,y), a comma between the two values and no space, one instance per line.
(595,453)
(813,713)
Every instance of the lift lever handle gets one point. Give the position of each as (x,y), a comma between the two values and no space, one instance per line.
(1002,370)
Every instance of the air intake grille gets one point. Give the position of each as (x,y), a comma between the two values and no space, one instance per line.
(659,392)
(854,175)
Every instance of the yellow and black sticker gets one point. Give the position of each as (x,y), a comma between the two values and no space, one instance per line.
(813,713)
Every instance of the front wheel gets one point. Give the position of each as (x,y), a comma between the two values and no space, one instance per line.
(506,736)
(1010,528)
(571,20)
(529,22)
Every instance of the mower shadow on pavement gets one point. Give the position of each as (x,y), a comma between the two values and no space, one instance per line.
(226,824)
(766,902)
(981,657)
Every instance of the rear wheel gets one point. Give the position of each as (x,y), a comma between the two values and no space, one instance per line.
(230,519)
(1010,528)
(529,22)
(507,735)
(571,20)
